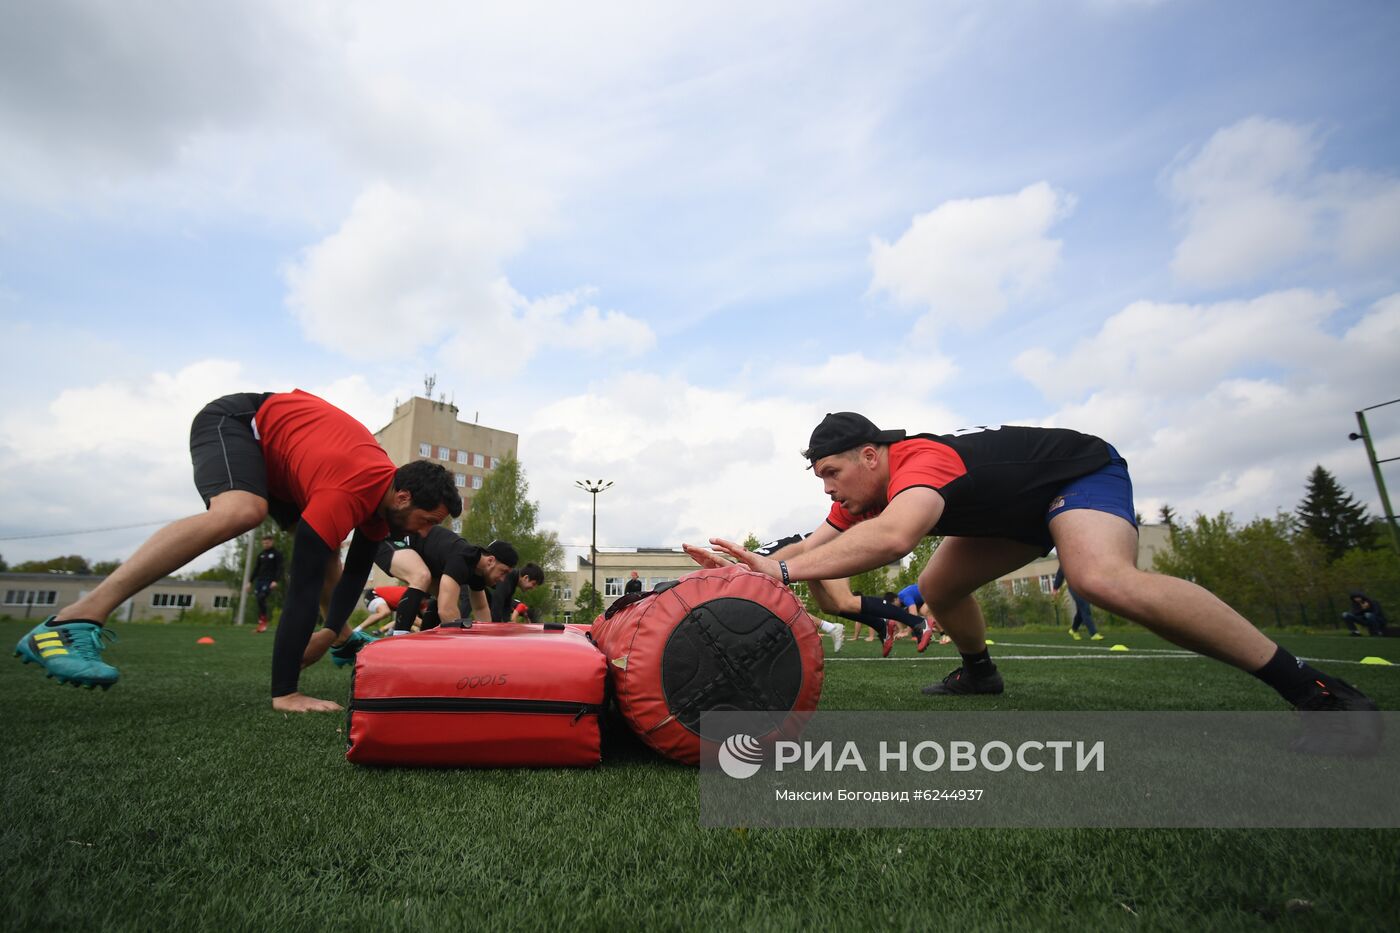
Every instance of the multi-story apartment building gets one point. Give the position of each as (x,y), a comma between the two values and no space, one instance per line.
(423,429)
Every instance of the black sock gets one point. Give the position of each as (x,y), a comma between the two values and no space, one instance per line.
(431,619)
(407,612)
(870,606)
(979,664)
(1294,680)
(875,622)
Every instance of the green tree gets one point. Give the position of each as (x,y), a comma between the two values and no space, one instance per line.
(502,510)
(103,567)
(1333,516)
(3,566)
(588,602)
(752,542)
(69,563)
(918,560)
(1167,515)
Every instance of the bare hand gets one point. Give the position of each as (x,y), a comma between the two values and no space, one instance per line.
(764,565)
(705,557)
(301,703)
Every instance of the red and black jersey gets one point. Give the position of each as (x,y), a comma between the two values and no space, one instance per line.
(996,482)
(326,463)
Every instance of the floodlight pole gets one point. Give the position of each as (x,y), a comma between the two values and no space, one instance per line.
(593,487)
(1365,435)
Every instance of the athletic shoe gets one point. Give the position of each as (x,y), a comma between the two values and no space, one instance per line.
(838,638)
(945,639)
(887,643)
(345,654)
(1096,637)
(925,637)
(1075,635)
(262,625)
(1357,734)
(961,682)
(70,652)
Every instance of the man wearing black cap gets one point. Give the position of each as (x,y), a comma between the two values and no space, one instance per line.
(1001,496)
(443,563)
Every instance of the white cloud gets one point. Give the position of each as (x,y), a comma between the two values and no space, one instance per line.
(427,272)
(1227,406)
(965,259)
(104,455)
(1253,201)
(1159,347)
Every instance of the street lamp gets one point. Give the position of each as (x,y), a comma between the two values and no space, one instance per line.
(1365,435)
(593,486)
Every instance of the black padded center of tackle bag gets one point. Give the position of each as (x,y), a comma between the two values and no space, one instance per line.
(729,654)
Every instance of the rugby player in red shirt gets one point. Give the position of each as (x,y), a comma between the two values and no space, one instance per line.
(1002,496)
(310,466)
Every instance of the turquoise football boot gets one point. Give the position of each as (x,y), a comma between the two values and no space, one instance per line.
(345,654)
(70,652)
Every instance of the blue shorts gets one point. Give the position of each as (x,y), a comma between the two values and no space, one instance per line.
(1108,489)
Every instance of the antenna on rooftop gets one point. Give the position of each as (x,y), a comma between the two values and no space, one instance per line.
(429,381)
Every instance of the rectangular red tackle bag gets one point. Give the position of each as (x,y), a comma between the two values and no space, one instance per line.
(493,695)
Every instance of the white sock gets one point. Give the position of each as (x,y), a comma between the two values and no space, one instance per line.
(828,627)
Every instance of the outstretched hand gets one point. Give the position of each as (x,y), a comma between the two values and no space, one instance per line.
(705,557)
(764,565)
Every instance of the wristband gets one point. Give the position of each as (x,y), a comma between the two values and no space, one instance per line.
(782,566)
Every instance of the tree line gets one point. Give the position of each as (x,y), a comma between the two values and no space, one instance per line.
(1293,568)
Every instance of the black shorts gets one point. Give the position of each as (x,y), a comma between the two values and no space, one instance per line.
(384,556)
(226,454)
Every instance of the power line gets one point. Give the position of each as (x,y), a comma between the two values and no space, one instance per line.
(86,531)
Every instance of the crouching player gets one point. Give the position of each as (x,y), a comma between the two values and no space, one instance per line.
(1004,495)
(445,565)
(311,467)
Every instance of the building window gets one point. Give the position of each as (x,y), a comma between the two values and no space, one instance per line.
(462,457)
(444,453)
(456,526)
(172,600)
(563,592)
(459,479)
(476,482)
(495,463)
(612,586)
(1020,587)
(31,597)
(478,460)
(1046,583)
(568,617)
(221,602)
(425,450)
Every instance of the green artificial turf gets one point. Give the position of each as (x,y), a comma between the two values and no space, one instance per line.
(179,800)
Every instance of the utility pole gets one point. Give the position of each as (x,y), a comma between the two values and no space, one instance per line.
(593,487)
(1365,435)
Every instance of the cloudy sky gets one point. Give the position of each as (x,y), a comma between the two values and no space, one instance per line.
(660,240)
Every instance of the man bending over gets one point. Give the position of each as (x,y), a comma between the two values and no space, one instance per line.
(311,467)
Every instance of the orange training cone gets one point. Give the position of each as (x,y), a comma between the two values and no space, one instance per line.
(206,640)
